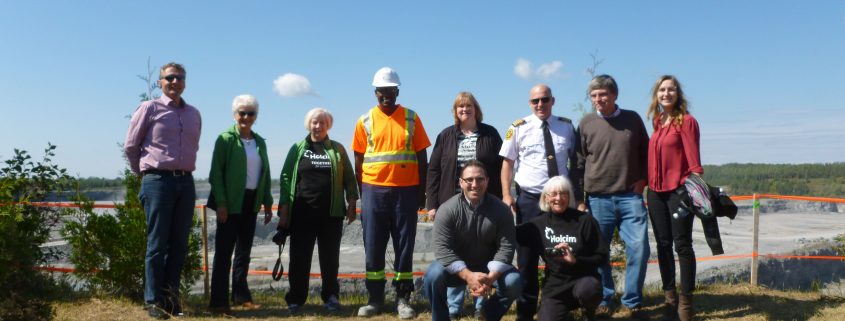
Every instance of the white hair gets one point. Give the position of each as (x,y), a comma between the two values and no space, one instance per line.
(244,101)
(318,112)
(559,184)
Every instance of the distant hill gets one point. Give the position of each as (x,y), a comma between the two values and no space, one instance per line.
(825,180)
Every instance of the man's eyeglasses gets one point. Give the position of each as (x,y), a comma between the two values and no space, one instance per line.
(477,180)
(538,100)
(171,78)
(246,113)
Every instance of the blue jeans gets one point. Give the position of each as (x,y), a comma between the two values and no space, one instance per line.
(626,211)
(437,279)
(455,297)
(168,203)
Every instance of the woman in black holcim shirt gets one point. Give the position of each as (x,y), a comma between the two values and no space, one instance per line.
(318,189)
(570,243)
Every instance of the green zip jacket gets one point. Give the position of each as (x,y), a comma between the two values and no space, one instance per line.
(228,172)
(343,177)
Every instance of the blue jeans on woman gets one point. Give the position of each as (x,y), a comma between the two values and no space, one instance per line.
(437,279)
(627,212)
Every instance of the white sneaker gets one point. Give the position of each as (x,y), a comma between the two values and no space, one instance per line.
(369,310)
(405,310)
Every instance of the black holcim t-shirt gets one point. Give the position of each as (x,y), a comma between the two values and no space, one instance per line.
(313,186)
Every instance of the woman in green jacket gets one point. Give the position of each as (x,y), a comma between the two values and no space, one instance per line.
(318,189)
(240,185)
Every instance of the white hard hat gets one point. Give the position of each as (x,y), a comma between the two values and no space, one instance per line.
(386,77)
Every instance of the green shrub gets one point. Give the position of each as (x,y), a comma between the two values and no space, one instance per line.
(108,249)
(23,228)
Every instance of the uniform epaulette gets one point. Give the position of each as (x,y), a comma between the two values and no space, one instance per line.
(518,122)
(564,119)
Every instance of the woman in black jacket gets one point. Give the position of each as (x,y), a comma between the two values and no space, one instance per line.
(570,243)
(468,139)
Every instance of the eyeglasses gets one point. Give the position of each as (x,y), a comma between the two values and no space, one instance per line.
(538,100)
(477,180)
(171,78)
(246,113)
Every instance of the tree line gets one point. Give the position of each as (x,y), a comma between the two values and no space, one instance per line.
(824,180)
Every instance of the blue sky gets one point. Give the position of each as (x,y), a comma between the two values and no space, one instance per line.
(764,78)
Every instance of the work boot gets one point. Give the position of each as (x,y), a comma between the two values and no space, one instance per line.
(670,306)
(369,310)
(404,309)
(685,311)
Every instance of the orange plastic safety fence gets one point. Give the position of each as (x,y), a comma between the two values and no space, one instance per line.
(362,275)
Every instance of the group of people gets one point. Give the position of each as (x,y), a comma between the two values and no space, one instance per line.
(547,189)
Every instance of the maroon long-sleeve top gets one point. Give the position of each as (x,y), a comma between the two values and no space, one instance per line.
(673,153)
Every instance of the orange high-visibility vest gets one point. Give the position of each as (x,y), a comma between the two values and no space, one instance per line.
(389,146)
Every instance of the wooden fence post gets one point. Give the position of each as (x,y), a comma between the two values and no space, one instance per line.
(204,219)
(755,240)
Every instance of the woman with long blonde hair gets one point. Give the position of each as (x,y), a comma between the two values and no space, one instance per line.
(673,155)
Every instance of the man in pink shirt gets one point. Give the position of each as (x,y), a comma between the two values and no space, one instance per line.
(161,145)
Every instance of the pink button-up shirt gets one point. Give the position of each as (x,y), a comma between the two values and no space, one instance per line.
(163,135)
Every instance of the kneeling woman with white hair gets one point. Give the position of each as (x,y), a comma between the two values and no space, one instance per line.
(570,243)
(318,189)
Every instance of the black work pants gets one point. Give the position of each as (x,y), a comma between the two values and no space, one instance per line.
(234,235)
(307,228)
(668,230)
(527,208)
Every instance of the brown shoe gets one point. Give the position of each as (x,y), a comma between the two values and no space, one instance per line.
(248,305)
(224,311)
(603,312)
(636,313)
(670,306)
(685,310)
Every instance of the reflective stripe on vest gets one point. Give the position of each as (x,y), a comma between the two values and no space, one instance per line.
(378,275)
(405,156)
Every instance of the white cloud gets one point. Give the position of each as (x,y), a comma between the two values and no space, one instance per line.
(293,85)
(524,69)
(549,70)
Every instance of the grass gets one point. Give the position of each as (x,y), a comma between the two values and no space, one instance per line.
(715,302)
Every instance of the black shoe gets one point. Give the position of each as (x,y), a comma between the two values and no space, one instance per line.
(174,308)
(156,312)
